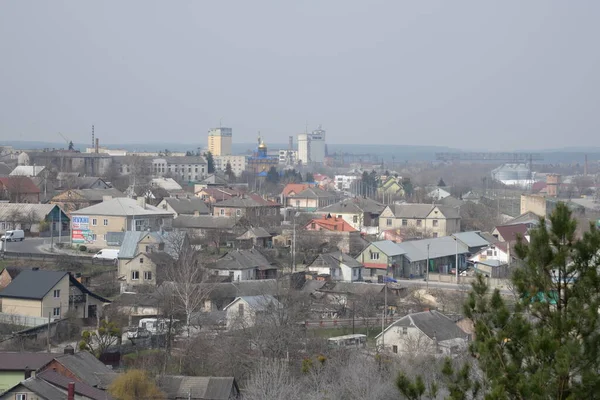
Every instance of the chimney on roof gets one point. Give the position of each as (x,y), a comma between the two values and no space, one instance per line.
(141,201)
(106,198)
(71,391)
(27,372)
(69,349)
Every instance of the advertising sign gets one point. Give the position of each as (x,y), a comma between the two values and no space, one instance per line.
(79,222)
(80,230)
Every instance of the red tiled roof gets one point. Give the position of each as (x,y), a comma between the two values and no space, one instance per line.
(261,200)
(537,186)
(332,224)
(509,232)
(22,184)
(295,188)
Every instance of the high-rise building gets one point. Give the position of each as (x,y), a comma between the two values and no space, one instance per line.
(219,141)
(311,146)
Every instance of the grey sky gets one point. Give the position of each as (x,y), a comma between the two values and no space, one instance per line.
(471,74)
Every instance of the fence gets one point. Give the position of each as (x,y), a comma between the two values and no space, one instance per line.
(467,280)
(56,257)
(22,320)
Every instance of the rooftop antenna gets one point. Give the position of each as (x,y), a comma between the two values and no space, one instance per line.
(220,121)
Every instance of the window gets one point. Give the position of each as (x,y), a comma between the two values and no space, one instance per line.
(135,275)
(355,219)
(21,396)
(238,212)
(395,349)
(148,249)
(105,222)
(404,222)
(222,211)
(148,275)
(405,330)
(435,222)
(489,252)
(56,311)
(56,293)
(241,309)
(419,222)
(297,203)
(388,222)
(94,222)
(435,234)
(374,256)
(141,260)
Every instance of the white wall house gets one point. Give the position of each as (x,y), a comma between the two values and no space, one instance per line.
(339,266)
(246,311)
(344,182)
(427,332)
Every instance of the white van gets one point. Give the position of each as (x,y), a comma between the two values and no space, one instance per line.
(13,236)
(107,254)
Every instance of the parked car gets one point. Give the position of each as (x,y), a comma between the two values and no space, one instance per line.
(13,236)
(107,254)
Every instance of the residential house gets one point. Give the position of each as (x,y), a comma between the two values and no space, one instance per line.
(73,180)
(336,266)
(184,206)
(493,260)
(473,240)
(344,182)
(329,223)
(426,219)
(472,197)
(43,293)
(256,237)
(216,179)
(252,207)
(291,190)
(362,213)
(141,255)
(380,258)
(76,199)
(28,170)
(332,232)
(247,311)
(217,229)
(244,265)
(509,233)
(391,186)
(82,367)
(198,387)
(438,193)
(138,305)
(442,253)
(187,168)
(7,275)
(427,332)
(32,217)
(221,294)
(212,195)
(310,199)
(18,366)
(19,189)
(90,225)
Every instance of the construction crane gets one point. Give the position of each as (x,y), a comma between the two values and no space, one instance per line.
(66,140)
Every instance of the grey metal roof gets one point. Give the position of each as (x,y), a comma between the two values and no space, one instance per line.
(32,284)
(96,194)
(431,323)
(241,202)
(81,388)
(203,222)
(43,389)
(85,366)
(388,247)
(4,169)
(416,250)
(492,263)
(355,205)
(187,205)
(39,211)
(130,242)
(258,303)
(258,233)
(17,361)
(27,170)
(115,238)
(242,259)
(314,193)
(334,258)
(121,206)
(472,239)
(197,387)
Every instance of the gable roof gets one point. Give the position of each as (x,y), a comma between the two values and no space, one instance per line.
(432,324)
(39,211)
(22,184)
(314,193)
(204,222)
(414,210)
(258,303)
(355,205)
(388,247)
(85,366)
(168,184)
(94,194)
(81,388)
(197,387)
(220,193)
(18,361)
(132,239)
(41,388)
(214,179)
(27,170)
(333,224)
(4,169)
(242,259)
(472,239)
(526,218)
(252,233)
(509,232)
(294,188)
(245,202)
(32,284)
(121,206)
(416,250)
(187,205)
(333,260)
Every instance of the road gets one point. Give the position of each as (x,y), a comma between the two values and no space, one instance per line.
(32,245)
(465,287)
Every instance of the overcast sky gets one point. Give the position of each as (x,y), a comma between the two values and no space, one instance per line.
(471,74)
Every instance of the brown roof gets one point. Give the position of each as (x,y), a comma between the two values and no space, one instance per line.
(82,389)
(295,188)
(509,232)
(22,184)
(17,361)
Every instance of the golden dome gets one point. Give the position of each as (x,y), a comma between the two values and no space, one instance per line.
(262,145)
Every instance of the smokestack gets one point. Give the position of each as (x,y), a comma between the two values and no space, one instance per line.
(291,143)
(585,166)
(93,140)
(71,391)
(27,372)
(97,144)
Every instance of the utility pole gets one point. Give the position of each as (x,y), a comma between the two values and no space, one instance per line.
(384,312)
(427,289)
(456,240)
(48,335)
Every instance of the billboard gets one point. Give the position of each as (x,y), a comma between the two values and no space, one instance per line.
(80,230)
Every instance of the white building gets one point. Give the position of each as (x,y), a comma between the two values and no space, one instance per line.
(288,157)
(187,168)
(427,332)
(338,266)
(311,146)
(238,163)
(247,311)
(344,182)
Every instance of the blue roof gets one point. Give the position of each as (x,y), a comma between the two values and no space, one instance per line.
(130,242)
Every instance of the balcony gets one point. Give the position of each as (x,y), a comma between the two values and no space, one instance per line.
(77,298)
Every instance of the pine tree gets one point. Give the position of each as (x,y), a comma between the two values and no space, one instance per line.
(549,345)
(309,178)
(229,172)
(273,175)
(210,163)
(441,183)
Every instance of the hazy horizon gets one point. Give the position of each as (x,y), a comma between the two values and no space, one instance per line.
(465,74)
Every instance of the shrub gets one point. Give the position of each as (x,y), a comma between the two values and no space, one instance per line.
(82,248)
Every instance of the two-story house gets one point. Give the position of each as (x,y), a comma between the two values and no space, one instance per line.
(251,206)
(336,266)
(362,213)
(380,258)
(493,260)
(184,206)
(43,293)
(427,219)
(90,225)
(19,189)
(311,199)
(76,199)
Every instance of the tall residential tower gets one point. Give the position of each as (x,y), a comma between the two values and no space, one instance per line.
(311,147)
(219,141)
